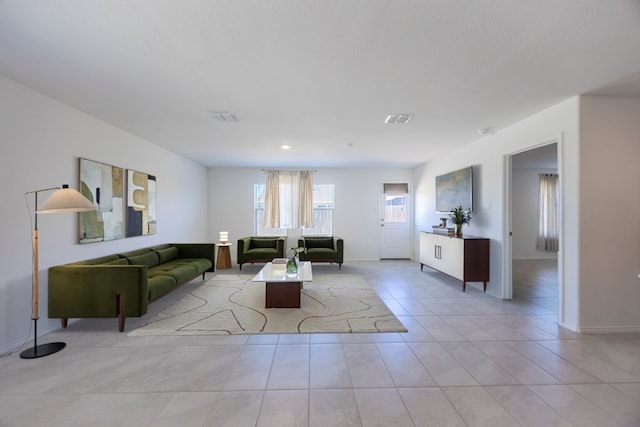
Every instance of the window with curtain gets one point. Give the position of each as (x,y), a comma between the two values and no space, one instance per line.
(323,212)
(288,199)
(548,191)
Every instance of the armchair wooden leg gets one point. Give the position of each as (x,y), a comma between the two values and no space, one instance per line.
(64,321)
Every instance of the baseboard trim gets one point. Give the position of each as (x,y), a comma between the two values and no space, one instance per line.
(571,328)
(610,330)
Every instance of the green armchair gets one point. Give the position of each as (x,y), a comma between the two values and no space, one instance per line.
(259,249)
(322,249)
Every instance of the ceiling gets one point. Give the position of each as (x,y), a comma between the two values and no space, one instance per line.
(321,76)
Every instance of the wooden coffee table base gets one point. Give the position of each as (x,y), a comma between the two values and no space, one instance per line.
(282,295)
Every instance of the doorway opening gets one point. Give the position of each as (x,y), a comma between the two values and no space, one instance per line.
(531,271)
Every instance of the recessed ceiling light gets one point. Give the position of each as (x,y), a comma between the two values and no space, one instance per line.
(223,116)
(285,146)
(401,119)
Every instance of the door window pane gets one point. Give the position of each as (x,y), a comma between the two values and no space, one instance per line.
(395,208)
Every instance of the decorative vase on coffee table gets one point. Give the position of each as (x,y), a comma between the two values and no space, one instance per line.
(292,266)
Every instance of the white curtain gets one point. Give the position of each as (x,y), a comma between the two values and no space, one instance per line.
(272,199)
(548,213)
(288,199)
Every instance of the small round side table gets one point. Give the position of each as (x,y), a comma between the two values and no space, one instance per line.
(224,256)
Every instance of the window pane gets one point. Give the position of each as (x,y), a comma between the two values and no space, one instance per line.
(323,208)
(322,223)
(395,209)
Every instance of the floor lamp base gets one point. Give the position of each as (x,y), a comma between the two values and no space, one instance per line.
(42,350)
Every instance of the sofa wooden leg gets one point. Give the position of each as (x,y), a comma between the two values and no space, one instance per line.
(120,314)
(64,321)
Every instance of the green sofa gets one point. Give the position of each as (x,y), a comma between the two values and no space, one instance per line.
(322,249)
(259,249)
(122,285)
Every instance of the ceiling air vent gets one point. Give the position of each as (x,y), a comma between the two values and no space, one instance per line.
(398,119)
(223,116)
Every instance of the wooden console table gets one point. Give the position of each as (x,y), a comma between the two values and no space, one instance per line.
(464,257)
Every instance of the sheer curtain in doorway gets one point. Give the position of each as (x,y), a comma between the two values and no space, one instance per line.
(548,213)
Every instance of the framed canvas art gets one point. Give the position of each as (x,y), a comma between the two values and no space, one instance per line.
(102,184)
(454,189)
(141,204)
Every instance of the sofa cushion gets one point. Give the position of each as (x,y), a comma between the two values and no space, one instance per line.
(177,269)
(200,264)
(161,246)
(95,261)
(134,253)
(119,261)
(168,254)
(150,259)
(319,242)
(160,285)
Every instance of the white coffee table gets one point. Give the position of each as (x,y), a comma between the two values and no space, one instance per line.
(282,289)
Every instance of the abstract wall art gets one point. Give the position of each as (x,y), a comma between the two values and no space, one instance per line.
(104,185)
(141,204)
(454,189)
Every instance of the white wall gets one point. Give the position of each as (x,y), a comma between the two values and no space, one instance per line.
(356,213)
(41,141)
(487,155)
(610,214)
(524,205)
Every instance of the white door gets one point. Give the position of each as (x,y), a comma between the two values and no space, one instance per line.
(395,220)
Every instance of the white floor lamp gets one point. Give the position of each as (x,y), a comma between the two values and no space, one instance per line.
(63,200)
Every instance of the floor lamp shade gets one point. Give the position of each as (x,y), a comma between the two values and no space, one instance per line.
(63,200)
(66,200)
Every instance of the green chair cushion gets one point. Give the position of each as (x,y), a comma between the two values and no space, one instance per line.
(319,254)
(319,242)
(258,243)
(261,252)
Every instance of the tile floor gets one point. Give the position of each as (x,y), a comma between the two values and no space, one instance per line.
(468,360)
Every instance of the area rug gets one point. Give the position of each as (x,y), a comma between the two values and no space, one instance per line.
(233,304)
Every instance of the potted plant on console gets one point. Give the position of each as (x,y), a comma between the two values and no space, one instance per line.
(459,217)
